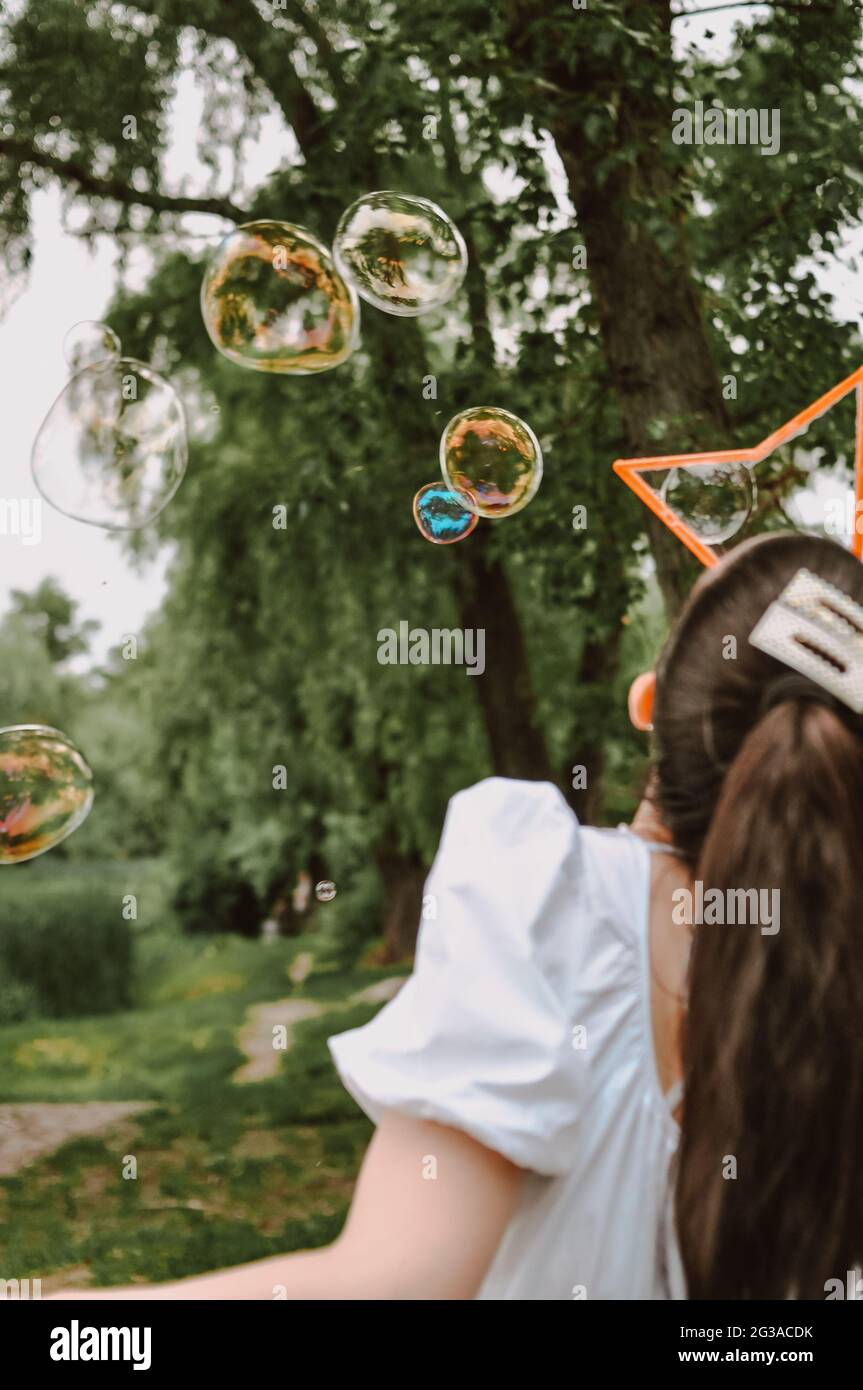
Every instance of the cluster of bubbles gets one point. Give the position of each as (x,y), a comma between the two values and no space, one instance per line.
(275,299)
(491,463)
(112,449)
(714,499)
(46,791)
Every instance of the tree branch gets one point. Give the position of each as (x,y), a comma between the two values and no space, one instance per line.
(714,9)
(70,171)
(315,30)
(475,280)
(802,8)
(249,32)
(243,25)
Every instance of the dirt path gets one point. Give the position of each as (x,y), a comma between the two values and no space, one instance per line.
(256,1037)
(27,1131)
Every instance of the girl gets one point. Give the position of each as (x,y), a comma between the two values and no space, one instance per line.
(526,1081)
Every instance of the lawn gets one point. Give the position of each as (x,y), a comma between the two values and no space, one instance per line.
(225,1172)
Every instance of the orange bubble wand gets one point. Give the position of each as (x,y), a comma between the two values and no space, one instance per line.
(630,470)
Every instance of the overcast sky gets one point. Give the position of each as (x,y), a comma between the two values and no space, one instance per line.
(68,284)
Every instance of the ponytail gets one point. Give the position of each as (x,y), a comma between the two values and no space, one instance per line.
(769,1191)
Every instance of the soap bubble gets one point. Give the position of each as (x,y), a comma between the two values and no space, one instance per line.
(492,459)
(441,514)
(272,300)
(112,449)
(46,791)
(714,499)
(404,254)
(88,342)
(325,891)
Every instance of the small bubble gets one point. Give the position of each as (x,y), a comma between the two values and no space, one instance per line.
(325,891)
(442,515)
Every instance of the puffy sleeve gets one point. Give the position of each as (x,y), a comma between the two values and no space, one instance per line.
(479,1038)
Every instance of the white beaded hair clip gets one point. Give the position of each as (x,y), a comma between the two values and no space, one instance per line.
(816,629)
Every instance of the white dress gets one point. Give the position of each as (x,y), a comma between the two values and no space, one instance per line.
(527,1024)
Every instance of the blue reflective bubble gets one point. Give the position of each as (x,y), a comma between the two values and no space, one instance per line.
(441,514)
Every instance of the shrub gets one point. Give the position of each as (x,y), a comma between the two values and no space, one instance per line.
(18,1001)
(67,943)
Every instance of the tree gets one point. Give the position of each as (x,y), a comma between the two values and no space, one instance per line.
(52,614)
(267,644)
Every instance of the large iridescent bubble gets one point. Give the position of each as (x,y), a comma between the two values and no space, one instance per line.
(714,499)
(403,253)
(46,791)
(112,449)
(272,300)
(441,515)
(492,459)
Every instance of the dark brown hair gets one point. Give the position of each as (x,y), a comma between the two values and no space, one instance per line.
(760,782)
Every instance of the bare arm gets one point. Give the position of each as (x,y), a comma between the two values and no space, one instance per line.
(409,1235)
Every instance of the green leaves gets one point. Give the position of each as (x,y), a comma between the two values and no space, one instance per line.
(265,651)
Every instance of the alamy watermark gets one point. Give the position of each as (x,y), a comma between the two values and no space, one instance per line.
(20,1290)
(851,1287)
(727,125)
(21,516)
(437,646)
(754,907)
(843,518)
(77,1343)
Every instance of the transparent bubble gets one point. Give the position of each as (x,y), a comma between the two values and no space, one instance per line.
(325,891)
(272,300)
(441,514)
(492,459)
(404,254)
(714,499)
(46,791)
(112,449)
(88,342)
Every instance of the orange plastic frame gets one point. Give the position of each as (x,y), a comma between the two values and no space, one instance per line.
(630,470)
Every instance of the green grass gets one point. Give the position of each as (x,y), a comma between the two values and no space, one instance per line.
(226,1173)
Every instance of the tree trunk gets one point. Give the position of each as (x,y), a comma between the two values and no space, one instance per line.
(516,742)
(599,665)
(505,689)
(647,300)
(403,878)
